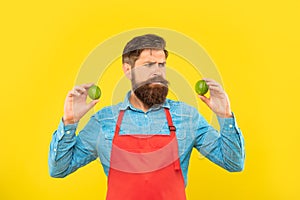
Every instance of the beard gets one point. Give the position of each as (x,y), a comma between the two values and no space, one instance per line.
(152,92)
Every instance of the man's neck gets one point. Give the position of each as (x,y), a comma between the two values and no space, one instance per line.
(137,103)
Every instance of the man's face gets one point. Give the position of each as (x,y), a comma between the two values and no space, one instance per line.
(151,63)
(148,77)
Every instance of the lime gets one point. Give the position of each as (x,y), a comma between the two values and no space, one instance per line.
(94,92)
(201,87)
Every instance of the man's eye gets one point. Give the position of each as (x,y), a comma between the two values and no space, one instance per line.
(149,64)
(162,64)
(153,64)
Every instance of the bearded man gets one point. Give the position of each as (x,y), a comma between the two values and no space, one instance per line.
(145,142)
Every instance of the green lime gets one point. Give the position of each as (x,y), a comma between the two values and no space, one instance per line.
(201,87)
(94,92)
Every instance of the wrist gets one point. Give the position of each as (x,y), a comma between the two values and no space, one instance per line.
(68,121)
(229,115)
(226,115)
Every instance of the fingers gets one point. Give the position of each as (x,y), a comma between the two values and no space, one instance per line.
(73,93)
(211,82)
(205,99)
(215,89)
(213,85)
(93,103)
(79,89)
(87,85)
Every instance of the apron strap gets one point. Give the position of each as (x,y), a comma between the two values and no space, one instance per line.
(119,122)
(172,129)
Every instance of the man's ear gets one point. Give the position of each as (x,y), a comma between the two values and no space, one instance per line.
(127,70)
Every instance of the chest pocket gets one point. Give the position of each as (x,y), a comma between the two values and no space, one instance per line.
(181,134)
(107,137)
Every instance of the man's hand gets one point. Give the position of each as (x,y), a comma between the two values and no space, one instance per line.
(75,104)
(218,101)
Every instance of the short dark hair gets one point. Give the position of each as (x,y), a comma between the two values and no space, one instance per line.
(135,46)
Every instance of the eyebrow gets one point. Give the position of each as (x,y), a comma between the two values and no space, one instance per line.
(149,62)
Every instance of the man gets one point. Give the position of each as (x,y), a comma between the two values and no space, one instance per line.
(145,142)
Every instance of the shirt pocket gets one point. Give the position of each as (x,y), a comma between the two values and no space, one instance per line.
(181,139)
(104,145)
(181,135)
(108,138)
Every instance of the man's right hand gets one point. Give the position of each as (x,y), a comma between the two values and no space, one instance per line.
(75,104)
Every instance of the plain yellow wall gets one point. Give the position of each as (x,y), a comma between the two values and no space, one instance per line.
(254,44)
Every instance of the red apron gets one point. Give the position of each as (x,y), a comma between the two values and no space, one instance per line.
(145,167)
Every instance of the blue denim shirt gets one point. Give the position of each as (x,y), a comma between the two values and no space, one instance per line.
(69,151)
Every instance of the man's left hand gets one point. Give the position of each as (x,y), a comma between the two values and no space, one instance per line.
(218,101)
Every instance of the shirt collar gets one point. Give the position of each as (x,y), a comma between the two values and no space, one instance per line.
(127,105)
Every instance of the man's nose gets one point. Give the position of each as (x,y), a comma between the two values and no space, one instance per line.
(157,71)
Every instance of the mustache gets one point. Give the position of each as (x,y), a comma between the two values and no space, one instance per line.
(156,79)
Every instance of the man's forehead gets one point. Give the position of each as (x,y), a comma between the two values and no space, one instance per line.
(152,54)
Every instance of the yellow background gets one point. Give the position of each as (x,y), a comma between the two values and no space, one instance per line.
(255,45)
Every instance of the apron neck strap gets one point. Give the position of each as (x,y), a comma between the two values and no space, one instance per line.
(119,122)
(172,128)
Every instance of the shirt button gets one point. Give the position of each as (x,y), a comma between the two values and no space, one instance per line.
(54,150)
(62,131)
(230,126)
(145,116)
(68,132)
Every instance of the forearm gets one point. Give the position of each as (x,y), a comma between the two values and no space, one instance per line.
(233,149)
(225,147)
(228,150)
(61,147)
(68,152)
